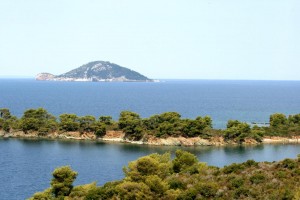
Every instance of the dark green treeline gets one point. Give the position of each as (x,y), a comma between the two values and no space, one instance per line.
(136,128)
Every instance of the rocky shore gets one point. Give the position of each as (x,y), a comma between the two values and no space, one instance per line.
(118,137)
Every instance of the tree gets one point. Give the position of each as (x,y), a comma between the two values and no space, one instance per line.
(61,184)
(38,120)
(131,124)
(100,129)
(6,119)
(69,122)
(277,120)
(237,130)
(153,164)
(5,114)
(197,127)
(294,119)
(87,123)
(106,120)
(184,161)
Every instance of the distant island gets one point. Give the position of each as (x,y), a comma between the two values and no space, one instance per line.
(97,71)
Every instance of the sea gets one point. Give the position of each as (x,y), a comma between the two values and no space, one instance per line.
(222,100)
(26,165)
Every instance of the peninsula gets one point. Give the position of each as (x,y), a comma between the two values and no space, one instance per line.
(162,129)
(97,71)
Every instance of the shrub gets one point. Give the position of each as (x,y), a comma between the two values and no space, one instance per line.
(257,178)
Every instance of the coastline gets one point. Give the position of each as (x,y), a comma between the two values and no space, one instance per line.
(118,137)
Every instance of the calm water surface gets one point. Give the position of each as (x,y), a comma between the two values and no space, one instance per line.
(250,101)
(26,165)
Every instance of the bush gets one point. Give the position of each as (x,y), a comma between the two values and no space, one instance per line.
(207,190)
(233,168)
(257,178)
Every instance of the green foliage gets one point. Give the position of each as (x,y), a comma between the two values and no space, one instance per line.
(176,182)
(239,131)
(257,178)
(237,182)
(207,190)
(249,180)
(131,124)
(5,114)
(168,124)
(6,119)
(62,182)
(233,168)
(100,129)
(38,120)
(153,164)
(277,120)
(82,190)
(280,125)
(69,122)
(106,120)
(193,128)
(87,124)
(184,162)
(133,190)
(157,185)
(45,195)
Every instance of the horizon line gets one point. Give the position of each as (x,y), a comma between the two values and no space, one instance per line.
(179,79)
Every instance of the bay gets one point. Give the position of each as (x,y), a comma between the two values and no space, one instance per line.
(26,165)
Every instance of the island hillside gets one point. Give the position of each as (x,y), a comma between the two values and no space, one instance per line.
(162,129)
(97,71)
(157,176)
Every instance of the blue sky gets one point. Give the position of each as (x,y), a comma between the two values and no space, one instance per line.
(193,39)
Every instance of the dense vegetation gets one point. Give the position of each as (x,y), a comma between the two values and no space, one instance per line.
(184,178)
(136,128)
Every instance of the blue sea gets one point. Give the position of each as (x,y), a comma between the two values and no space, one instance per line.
(249,101)
(26,165)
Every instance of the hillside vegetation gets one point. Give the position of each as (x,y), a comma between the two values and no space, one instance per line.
(168,124)
(184,178)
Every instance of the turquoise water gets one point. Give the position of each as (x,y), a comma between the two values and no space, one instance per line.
(26,165)
(250,101)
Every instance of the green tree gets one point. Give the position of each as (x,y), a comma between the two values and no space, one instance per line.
(100,129)
(237,130)
(153,164)
(184,161)
(62,182)
(5,114)
(87,124)
(106,120)
(6,119)
(197,127)
(38,120)
(131,124)
(69,122)
(277,120)
(294,119)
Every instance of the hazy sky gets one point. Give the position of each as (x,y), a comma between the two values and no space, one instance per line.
(197,39)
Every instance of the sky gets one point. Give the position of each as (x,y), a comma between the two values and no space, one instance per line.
(171,39)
